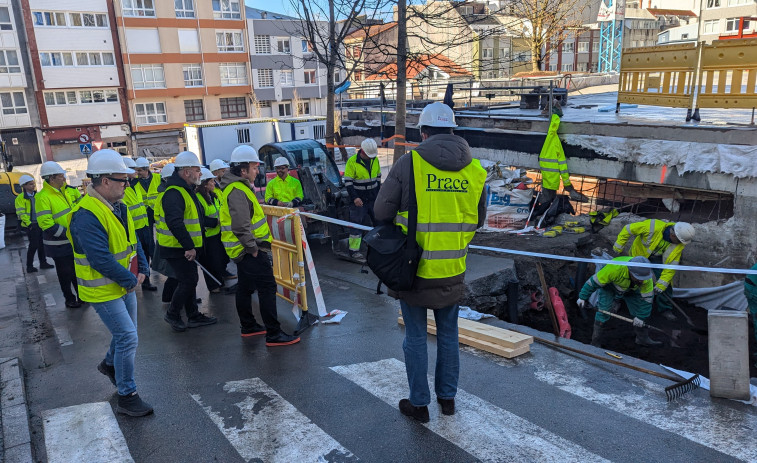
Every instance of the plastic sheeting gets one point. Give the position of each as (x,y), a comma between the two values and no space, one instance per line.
(730,296)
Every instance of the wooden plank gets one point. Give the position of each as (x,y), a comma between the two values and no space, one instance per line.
(505,338)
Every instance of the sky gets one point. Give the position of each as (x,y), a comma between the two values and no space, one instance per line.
(276,6)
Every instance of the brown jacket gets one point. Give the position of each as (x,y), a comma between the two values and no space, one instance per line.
(241,212)
(445,152)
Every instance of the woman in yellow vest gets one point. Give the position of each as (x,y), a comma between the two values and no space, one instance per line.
(105,247)
(213,254)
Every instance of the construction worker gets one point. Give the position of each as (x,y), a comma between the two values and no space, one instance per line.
(53,207)
(136,204)
(660,242)
(213,256)
(442,167)
(73,193)
(362,178)
(27,215)
(218,167)
(246,238)
(147,185)
(158,263)
(105,245)
(634,285)
(283,190)
(180,239)
(750,291)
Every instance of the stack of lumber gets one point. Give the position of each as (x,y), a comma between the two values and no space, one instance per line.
(489,338)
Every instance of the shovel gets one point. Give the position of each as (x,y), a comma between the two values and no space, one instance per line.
(673,335)
(694,328)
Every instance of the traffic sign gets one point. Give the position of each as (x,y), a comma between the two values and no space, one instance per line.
(83,138)
(85,148)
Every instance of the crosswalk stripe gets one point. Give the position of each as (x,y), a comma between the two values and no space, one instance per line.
(87,433)
(272,429)
(482,429)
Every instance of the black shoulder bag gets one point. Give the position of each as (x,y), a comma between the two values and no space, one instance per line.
(392,255)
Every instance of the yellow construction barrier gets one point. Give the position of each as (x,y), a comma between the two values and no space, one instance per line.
(728,73)
(288,255)
(658,76)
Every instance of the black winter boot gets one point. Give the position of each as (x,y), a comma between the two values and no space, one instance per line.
(596,335)
(133,405)
(419,413)
(643,339)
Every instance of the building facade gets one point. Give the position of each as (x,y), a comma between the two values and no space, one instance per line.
(184,61)
(723,19)
(578,52)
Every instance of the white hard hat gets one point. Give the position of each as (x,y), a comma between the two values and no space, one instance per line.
(437,115)
(370,148)
(51,168)
(25,179)
(107,162)
(640,273)
(143,162)
(186,159)
(206,174)
(216,164)
(129,162)
(281,161)
(684,232)
(167,170)
(244,153)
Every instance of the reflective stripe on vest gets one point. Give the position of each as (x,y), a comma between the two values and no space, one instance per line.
(53,208)
(134,200)
(151,195)
(92,285)
(211,210)
(258,222)
(447,216)
(191,221)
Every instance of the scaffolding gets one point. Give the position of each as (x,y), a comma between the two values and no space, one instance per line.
(610,18)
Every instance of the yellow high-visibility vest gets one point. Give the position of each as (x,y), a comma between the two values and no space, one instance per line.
(649,242)
(357,176)
(73,193)
(136,204)
(53,208)
(191,221)
(552,160)
(211,210)
(258,222)
(151,195)
(283,190)
(23,209)
(447,215)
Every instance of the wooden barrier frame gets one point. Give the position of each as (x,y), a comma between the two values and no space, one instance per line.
(288,255)
(724,62)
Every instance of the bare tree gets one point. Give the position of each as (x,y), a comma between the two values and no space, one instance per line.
(255,105)
(296,103)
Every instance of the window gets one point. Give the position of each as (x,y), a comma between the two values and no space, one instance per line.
(47,59)
(229,41)
(306,48)
(357,76)
(243,135)
(265,78)
(310,78)
(502,54)
(286,78)
(150,113)
(319,132)
(568,47)
(283,46)
(356,51)
(87,20)
(5,19)
(337,78)
(233,74)
(713,3)
(49,18)
(13,103)
(732,24)
(192,75)
(285,109)
(567,67)
(226,9)
(582,67)
(148,76)
(304,108)
(739,2)
(684,36)
(233,108)
(583,47)
(9,62)
(184,8)
(487,53)
(712,26)
(94,58)
(189,41)
(61,98)
(138,8)
(262,44)
(193,110)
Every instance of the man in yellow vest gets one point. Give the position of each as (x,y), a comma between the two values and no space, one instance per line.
(451,205)
(138,210)
(147,185)
(660,242)
(362,178)
(27,217)
(247,240)
(73,193)
(53,207)
(180,239)
(105,249)
(218,167)
(283,190)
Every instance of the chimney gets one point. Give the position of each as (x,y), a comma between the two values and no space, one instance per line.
(264,14)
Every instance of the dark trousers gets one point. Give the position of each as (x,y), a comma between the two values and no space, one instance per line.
(213,260)
(546,198)
(144,235)
(169,287)
(185,295)
(35,245)
(257,273)
(64,267)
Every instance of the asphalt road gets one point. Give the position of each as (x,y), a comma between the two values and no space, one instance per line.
(333,396)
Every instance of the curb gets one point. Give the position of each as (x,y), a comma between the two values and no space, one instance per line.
(15,417)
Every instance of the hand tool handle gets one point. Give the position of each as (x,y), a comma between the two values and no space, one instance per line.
(208,273)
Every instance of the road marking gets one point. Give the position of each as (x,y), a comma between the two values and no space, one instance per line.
(482,429)
(42,279)
(49,300)
(87,432)
(262,426)
(64,337)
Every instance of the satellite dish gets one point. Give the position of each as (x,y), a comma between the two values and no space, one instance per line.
(342,88)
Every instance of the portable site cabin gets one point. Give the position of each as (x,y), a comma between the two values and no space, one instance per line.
(216,140)
(303,128)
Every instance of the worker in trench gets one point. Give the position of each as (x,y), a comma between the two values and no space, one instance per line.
(283,190)
(750,291)
(660,242)
(616,283)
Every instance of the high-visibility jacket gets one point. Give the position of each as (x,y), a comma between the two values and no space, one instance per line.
(552,159)
(649,242)
(73,194)
(361,182)
(447,215)
(136,204)
(211,210)
(283,190)
(24,209)
(618,276)
(258,222)
(53,208)
(191,221)
(150,196)
(122,243)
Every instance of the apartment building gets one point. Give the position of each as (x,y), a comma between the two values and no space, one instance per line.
(185,61)
(723,19)
(578,52)
(78,76)
(287,78)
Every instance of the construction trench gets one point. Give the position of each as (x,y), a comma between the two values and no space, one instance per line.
(645,169)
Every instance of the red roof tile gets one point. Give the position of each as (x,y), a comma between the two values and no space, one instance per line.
(416,66)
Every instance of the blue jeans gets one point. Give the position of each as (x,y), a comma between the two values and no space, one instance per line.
(120,316)
(416,355)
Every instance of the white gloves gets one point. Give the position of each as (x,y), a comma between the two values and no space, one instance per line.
(658,291)
(638,323)
(289,204)
(580,303)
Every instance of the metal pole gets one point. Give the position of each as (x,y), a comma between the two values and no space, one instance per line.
(470,94)
(551,85)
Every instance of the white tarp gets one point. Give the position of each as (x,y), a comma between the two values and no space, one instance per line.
(730,296)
